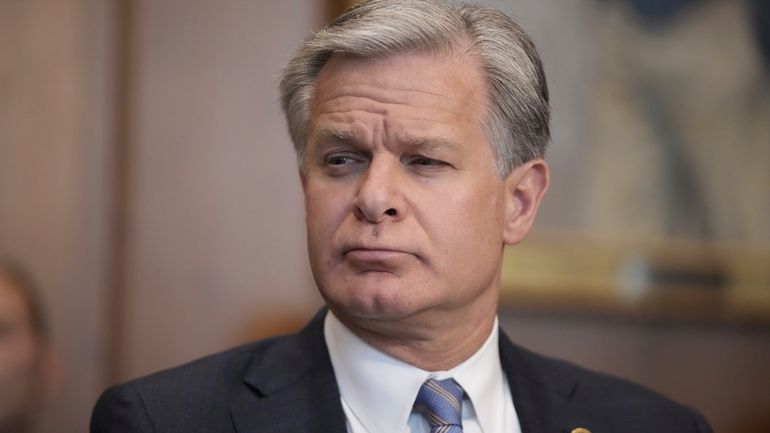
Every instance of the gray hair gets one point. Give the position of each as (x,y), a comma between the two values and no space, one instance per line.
(517,120)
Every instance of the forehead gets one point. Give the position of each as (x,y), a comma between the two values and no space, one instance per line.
(413,87)
(448,66)
(435,73)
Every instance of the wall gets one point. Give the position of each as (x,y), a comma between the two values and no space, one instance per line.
(54,113)
(215,217)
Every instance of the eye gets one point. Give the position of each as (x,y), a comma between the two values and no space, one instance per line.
(342,163)
(342,158)
(424,161)
(336,160)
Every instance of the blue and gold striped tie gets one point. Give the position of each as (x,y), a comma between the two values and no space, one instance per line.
(440,402)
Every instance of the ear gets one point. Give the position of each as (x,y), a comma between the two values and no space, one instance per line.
(525,187)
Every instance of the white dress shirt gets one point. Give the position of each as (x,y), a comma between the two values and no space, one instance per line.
(378,391)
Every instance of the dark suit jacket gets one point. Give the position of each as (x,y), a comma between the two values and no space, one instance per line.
(287,385)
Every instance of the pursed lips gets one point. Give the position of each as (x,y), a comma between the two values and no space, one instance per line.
(375,256)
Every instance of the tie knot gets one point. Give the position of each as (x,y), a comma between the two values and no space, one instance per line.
(440,402)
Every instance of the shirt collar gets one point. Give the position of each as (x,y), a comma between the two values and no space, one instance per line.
(380,390)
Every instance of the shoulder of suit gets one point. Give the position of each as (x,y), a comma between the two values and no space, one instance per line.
(193,396)
(589,380)
(206,374)
(597,392)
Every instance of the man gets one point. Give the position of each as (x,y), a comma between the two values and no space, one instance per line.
(420,130)
(25,358)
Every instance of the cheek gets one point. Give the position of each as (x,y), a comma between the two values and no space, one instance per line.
(471,220)
(317,208)
(324,212)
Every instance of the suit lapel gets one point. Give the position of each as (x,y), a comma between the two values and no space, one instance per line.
(541,398)
(290,388)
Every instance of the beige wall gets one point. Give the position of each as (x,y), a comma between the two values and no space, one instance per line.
(53,114)
(215,210)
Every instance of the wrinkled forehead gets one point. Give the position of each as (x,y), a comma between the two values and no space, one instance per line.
(408,84)
(405,83)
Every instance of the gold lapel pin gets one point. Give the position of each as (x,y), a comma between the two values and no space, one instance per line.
(581,430)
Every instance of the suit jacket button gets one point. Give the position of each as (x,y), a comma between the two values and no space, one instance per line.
(581,430)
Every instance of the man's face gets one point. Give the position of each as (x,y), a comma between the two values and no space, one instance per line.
(19,357)
(404,208)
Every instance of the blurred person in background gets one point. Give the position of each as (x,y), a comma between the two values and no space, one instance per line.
(26,361)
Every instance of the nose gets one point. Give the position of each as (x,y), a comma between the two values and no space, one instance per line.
(379,196)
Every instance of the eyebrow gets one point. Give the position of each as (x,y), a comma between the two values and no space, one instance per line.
(406,140)
(428,143)
(343,135)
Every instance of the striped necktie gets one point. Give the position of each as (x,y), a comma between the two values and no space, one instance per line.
(440,402)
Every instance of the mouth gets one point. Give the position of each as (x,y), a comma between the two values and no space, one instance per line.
(374,253)
(376,257)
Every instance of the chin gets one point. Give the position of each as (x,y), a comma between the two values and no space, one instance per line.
(380,303)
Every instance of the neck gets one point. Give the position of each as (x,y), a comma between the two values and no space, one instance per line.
(431,341)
